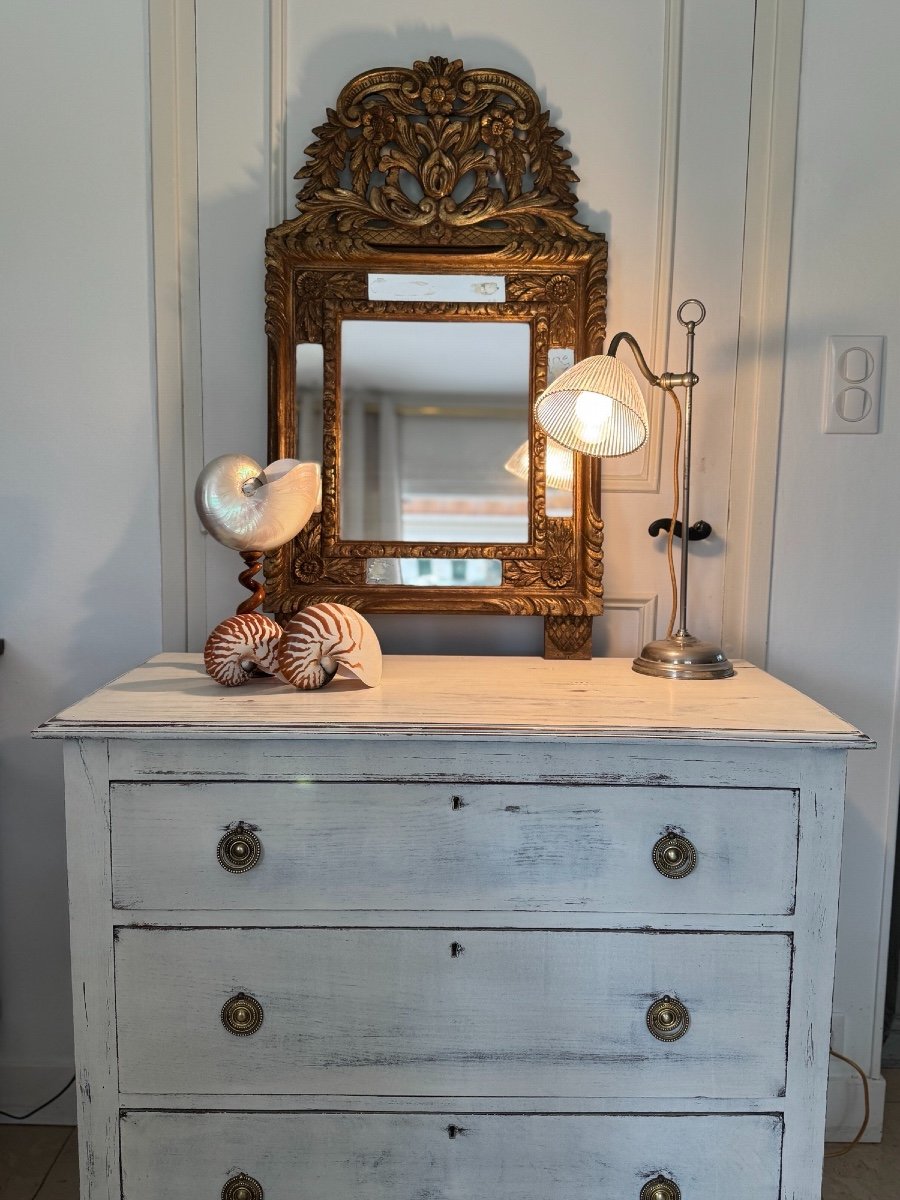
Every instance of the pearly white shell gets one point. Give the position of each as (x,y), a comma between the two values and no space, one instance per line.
(241,645)
(248,508)
(325,638)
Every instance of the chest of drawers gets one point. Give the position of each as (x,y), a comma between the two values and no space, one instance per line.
(500,927)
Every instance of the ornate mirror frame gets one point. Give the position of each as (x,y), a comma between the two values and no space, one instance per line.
(437,170)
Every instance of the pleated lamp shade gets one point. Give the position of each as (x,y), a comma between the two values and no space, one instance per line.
(595,407)
(560,465)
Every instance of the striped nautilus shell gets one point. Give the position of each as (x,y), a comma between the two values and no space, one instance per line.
(248,508)
(240,646)
(324,639)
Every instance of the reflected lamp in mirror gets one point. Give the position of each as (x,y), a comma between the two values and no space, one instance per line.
(559,466)
(596,408)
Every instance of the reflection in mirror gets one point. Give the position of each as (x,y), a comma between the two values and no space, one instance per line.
(560,475)
(431,412)
(308,398)
(436,572)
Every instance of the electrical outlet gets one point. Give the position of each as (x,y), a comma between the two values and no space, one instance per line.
(853,384)
(837,1032)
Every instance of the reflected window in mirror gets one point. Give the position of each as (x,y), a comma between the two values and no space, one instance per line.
(431,412)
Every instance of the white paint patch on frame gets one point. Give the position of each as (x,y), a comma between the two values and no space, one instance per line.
(451,289)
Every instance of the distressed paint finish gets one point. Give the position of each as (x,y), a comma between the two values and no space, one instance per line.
(93,985)
(452,760)
(819,866)
(429,1012)
(523,699)
(404,1156)
(542,1012)
(481,847)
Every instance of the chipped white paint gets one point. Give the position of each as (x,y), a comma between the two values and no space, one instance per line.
(93,990)
(523,698)
(461,1013)
(479,847)
(563,774)
(394,1157)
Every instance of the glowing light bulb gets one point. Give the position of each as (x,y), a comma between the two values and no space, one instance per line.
(592,412)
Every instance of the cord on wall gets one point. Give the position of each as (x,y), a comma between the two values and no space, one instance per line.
(862,1129)
(40,1107)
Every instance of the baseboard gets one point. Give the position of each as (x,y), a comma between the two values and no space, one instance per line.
(25,1085)
(845,1107)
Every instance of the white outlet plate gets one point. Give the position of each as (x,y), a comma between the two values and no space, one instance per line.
(853,384)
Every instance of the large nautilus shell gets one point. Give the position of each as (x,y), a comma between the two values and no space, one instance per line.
(248,508)
(324,639)
(241,646)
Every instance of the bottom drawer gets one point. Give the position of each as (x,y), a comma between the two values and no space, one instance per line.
(449,1156)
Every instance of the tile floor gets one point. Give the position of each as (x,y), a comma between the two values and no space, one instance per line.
(40,1162)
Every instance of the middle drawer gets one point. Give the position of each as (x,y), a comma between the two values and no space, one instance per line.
(451,1013)
(488,847)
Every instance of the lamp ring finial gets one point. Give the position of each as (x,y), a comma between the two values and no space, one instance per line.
(697,320)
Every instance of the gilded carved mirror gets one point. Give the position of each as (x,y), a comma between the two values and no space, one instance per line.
(435,275)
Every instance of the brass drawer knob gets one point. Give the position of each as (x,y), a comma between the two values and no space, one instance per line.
(239,850)
(242,1187)
(668,1019)
(242,1015)
(674,856)
(661,1188)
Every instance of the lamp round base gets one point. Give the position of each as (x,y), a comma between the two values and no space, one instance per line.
(682,658)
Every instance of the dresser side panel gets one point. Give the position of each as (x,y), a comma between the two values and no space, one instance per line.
(93,982)
(812,988)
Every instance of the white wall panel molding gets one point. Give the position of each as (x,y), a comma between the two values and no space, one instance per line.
(763,323)
(627,624)
(278,171)
(646,477)
(173,124)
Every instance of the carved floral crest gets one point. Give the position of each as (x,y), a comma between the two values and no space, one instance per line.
(436,148)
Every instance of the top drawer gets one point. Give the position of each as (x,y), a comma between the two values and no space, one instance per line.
(488,847)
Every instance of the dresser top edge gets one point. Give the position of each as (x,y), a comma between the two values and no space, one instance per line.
(449,697)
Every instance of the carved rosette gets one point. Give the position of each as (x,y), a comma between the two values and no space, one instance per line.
(555,569)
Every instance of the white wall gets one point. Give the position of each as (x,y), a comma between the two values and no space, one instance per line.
(835,606)
(79,538)
(79,534)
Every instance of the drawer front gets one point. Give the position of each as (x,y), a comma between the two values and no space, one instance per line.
(409,1156)
(485,847)
(450,1013)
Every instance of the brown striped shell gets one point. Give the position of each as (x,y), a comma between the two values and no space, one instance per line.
(241,646)
(325,638)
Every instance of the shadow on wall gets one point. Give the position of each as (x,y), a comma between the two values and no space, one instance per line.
(231,424)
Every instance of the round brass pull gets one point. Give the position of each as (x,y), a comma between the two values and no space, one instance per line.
(242,1187)
(674,856)
(239,850)
(661,1188)
(242,1015)
(668,1019)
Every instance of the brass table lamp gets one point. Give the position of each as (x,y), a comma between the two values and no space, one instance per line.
(596,408)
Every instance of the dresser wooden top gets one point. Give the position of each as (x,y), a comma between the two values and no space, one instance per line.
(525,699)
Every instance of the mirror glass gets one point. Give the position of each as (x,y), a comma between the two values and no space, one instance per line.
(436,572)
(432,412)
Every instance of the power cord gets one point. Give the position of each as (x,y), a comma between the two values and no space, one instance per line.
(40,1107)
(862,1129)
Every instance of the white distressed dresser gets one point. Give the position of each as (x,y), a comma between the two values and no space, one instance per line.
(501,929)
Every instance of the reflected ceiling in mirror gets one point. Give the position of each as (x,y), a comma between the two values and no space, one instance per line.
(430,414)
